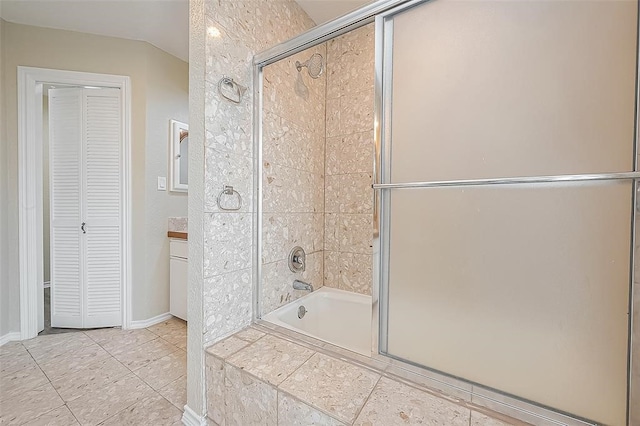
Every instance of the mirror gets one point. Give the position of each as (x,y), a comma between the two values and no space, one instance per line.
(179,155)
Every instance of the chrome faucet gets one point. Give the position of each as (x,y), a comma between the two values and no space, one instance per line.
(300,285)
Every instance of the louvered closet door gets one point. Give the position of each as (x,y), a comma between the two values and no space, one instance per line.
(93,187)
(102,207)
(65,179)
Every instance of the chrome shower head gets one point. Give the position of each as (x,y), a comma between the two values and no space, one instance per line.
(314,65)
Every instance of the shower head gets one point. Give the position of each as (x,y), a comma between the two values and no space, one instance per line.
(314,65)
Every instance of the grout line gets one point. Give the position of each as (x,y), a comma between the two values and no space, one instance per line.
(169,384)
(366,400)
(72,413)
(299,367)
(127,407)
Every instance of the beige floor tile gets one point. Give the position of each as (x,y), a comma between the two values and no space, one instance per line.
(227,347)
(58,417)
(98,405)
(96,376)
(151,411)
(294,412)
(70,343)
(103,335)
(79,360)
(396,403)
(29,405)
(271,359)
(331,385)
(141,355)
(21,381)
(176,336)
(51,340)
(176,392)
(11,364)
(165,370)
(126,340)
(11,348)
(247,400)
(170,324)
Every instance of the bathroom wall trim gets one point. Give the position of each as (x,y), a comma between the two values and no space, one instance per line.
(9,337)
(151,321)
(190,418)
(30,81)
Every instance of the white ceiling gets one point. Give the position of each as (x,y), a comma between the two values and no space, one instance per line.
(163,23)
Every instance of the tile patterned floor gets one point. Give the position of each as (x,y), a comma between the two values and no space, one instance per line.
(96,377)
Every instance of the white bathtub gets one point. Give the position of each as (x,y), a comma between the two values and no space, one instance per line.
(335,316)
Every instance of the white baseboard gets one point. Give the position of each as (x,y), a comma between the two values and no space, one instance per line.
(151,321)
(9,337)
(46,284)
(190,418)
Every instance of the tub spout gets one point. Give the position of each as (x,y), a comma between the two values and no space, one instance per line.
(300,285)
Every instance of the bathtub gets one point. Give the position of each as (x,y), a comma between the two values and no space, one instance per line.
(335,316)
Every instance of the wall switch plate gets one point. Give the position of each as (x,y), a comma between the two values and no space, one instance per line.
(162,183)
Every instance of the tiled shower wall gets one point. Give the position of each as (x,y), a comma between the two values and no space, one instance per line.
(317,169)
(293,177)
(236,30)
(349,161)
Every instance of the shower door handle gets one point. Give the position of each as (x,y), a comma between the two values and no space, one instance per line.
(84,231)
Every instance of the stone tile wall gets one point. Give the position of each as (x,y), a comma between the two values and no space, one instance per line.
(293,176)
(235,31)
(260,378)
(349,161)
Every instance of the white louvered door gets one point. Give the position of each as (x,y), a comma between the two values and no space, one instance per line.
(86,207)
(65,154)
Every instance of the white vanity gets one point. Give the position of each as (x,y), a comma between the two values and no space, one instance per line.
(178,266)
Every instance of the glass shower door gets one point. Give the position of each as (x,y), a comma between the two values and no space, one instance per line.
(497,271)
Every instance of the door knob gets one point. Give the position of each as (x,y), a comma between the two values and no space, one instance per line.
(84,231)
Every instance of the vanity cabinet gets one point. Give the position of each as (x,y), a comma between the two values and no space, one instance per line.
(178,273)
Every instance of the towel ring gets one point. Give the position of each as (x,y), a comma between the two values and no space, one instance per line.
(226,84)
(228,190)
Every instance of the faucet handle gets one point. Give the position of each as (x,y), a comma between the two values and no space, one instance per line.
(297,259)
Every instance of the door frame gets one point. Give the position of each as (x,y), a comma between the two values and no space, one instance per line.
(30,191)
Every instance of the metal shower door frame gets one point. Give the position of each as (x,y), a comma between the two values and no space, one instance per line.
(481,395)
(382,12)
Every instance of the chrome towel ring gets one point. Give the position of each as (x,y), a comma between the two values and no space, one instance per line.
(230,90)
(228,190)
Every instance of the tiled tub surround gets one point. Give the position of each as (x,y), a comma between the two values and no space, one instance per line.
(234,31)
(256,377)
(293,177)
(349,161)
(317,169)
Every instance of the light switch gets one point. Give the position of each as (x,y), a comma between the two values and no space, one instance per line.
(162,183)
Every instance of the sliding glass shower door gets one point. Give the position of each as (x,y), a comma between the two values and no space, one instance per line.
(508,159)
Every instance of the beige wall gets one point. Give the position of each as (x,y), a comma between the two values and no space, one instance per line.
(159,92)
(8,315)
